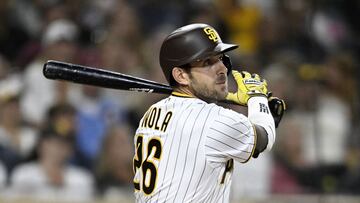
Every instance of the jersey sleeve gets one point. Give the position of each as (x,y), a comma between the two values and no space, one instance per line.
(230,135)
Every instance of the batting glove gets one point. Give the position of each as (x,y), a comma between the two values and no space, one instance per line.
(248,86)
(277,107)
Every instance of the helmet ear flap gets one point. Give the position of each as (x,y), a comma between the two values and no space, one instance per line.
(227,62)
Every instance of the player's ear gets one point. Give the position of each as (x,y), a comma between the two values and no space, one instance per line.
(180,75)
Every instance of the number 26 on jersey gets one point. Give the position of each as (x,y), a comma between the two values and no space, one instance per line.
(147,154)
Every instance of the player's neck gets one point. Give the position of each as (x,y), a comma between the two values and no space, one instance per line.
(183,91)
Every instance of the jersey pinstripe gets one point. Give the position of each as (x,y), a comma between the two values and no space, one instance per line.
(184,151)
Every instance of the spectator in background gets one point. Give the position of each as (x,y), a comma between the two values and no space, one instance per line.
(58,44)
(95,113)
(323,94)
(323,108)
(62,119)
(17,140)
(51,178)
(114,165)
(336,100)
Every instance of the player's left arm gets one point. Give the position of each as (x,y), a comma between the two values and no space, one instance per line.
(252,91)
(261,140)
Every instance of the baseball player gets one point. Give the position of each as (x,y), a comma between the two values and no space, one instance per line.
(186,145)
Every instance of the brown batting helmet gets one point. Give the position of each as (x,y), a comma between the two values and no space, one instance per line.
(190,43)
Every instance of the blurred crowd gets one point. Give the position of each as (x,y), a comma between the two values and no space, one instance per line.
(66,141)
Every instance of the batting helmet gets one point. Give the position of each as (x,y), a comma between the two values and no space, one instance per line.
(190,43)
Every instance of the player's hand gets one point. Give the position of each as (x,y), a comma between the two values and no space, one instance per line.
(248,86)
(277,108)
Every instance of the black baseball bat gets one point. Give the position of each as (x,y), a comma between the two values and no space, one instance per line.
(58,70)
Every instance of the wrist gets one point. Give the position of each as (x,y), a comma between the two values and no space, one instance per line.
(255,100)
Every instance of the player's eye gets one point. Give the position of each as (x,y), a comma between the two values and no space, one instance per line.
(207,62)
(212,60)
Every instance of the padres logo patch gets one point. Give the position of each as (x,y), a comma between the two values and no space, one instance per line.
(212,34)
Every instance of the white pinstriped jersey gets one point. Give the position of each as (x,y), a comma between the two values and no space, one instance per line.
(184,151)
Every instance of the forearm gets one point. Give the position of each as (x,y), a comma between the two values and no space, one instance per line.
(259,114)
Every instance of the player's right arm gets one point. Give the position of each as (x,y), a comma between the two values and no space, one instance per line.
(252,92)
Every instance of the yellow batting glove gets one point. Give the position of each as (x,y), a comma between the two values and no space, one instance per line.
(248,86)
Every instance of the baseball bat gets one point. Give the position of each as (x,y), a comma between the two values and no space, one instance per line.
(58,70)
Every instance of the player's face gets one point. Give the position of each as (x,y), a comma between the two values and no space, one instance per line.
(208,79)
